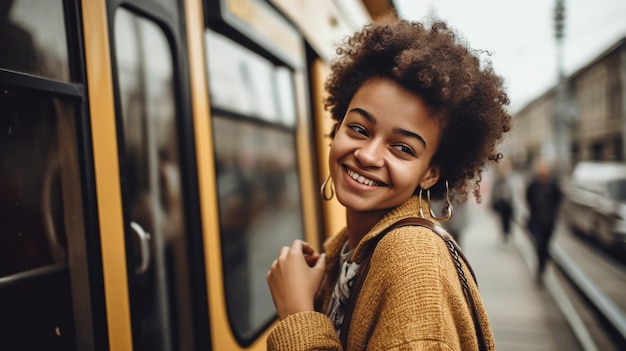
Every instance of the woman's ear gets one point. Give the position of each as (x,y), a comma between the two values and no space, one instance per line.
(430,177)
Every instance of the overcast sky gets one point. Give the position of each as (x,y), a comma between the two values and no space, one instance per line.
(520,34)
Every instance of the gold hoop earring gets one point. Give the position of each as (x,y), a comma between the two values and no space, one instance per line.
(448,211)
(323,189)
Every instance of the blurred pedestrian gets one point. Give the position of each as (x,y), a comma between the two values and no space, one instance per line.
(543,197)
(502,199)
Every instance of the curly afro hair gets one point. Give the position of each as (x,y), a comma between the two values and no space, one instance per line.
(465,95)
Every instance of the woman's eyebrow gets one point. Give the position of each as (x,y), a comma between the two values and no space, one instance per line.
(365,114)
(410,135)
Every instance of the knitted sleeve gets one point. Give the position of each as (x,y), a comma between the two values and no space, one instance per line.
(304,331)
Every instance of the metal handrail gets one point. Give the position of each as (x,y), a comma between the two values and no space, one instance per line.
(32,274)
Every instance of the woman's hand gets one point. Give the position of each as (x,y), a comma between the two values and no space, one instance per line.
(295,277)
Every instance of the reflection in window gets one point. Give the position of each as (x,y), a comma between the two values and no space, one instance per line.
(33,38)
(40,208)
(260,211)
(285,96)
(37,158)
(152,187)
(244,82)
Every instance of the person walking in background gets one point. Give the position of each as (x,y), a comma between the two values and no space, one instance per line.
(543,197)
(502,199)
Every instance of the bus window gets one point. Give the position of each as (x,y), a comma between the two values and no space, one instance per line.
(40,210)
(258,183)
(33,38)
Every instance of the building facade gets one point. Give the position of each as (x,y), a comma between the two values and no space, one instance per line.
(597,103)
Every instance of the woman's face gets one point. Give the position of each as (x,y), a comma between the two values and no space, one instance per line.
(383,147)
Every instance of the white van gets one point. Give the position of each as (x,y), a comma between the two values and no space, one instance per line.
(595,202)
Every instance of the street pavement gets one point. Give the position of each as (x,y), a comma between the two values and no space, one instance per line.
(523,314)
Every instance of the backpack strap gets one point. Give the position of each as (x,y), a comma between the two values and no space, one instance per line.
(456,255)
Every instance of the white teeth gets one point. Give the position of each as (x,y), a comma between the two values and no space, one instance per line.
(361,179)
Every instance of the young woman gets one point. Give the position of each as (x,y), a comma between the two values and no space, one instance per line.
(419,115)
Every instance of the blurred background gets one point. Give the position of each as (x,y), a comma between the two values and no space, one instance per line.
(564,65)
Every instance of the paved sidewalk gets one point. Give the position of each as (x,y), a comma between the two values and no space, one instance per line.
(523,314)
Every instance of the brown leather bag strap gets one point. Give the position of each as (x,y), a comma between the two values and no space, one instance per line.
(455,253)
(364,267)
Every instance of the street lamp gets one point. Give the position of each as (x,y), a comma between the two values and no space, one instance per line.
(563,113)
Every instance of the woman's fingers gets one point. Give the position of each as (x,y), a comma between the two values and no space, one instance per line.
(310,256)
(294,278)
(306,248)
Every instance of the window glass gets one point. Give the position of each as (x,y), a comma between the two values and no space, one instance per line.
(244,82)
(37,157)
(151,177)
(285,96)
(260,211)
(33,38)
(254,119)
(40,207)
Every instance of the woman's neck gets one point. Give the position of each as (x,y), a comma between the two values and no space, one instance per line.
(359,224)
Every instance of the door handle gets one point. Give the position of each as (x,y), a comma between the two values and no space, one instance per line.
(144,248)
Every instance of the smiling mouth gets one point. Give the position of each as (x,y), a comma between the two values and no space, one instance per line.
(361,179)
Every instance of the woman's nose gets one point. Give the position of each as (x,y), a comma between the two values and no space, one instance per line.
(370,154)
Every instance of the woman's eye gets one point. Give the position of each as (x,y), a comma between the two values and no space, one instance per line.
(405,149)
(358,129)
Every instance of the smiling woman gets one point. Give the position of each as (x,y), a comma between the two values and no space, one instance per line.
(416,112)
(382,150)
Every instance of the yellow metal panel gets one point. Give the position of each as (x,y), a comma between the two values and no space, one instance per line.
(221,334)
(305,159)
(102,114)
(334,212)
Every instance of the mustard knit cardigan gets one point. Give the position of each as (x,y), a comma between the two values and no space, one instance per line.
(411,298)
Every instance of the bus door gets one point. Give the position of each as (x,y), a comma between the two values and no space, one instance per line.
(156,177)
